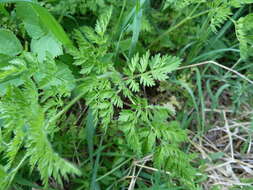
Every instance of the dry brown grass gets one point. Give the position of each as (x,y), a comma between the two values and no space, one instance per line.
(233,139)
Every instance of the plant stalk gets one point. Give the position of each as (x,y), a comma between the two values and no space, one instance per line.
(177,26)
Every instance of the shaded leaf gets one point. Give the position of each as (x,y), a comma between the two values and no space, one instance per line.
(44,18)
(10,45)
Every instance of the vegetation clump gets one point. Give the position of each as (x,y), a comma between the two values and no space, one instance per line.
(138,94)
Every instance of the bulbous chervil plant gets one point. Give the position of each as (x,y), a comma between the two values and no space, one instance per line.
(103,94)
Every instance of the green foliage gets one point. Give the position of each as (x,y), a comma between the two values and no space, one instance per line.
(43,29)
(30,129)
(144,124)
(70,7)
(245,36)
(46,45)
(26,119)
(218,11)
(147,130)
(145,71)
(90,107)
(10,45)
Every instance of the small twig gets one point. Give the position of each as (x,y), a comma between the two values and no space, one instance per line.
(153,169)
(145,159)
(229,135)
(132,183)
(171,29)
(66,108)
(135,163)
(218,110)
(113,170)
(250,144)
(219,166)
(219,65)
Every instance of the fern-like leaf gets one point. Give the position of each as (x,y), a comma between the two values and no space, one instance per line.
(148,70)
(103,22)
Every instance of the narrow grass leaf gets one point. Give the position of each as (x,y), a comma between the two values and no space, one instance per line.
(90,130)
(202,99)
(136,27)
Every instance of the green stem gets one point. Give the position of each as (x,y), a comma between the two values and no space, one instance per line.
(177,26)
(15,170)
(65,109)
(114,169)
(120,16)
(146,73)
(20,164)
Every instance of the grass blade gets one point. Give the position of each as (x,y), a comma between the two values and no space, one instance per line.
(136,27)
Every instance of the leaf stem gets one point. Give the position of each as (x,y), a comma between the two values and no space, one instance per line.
(113,170)
(65,109)
(145,73)
(177,26)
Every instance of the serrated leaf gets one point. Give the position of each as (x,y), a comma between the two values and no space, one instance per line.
(147,80)
(133,85)
(10,82)
(150,141)
(133,64)
(125,115)
(116,100)
(106,94)
(244,29)
(46,45)
(103,22)
(159,157)
(134,141)
(65,76)
(144,62)
(57,76)
(157,75)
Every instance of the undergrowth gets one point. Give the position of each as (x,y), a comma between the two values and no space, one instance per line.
(104,94)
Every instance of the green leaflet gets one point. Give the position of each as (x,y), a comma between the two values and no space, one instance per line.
(10,72)
(152,132)
(55,78)
(244,28)
(138,122)
(103,21)
(2,173)
(149,70)
(12,81)
(3,10)
(10,45)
